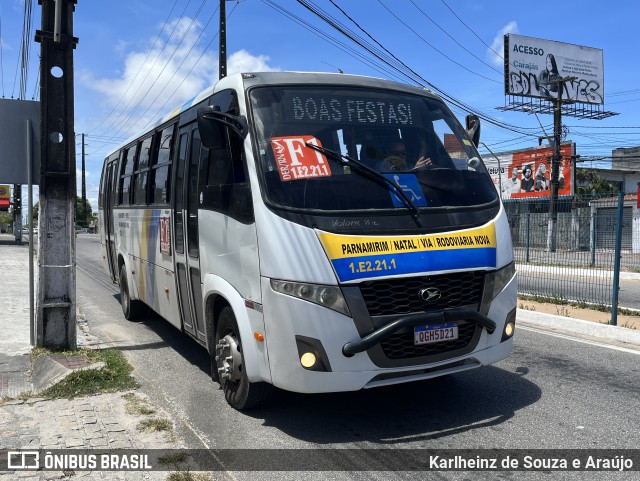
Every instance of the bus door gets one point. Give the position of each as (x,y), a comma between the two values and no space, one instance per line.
(110,180)
(185,234)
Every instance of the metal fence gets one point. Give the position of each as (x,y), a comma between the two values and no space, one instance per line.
(596,238)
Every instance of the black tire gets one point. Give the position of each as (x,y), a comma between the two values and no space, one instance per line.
(239,392)
(132,310)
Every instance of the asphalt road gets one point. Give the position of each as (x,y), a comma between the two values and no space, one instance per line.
(551,393)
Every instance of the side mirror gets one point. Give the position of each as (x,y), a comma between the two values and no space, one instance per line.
(211,131)
(211,122)
(473,128)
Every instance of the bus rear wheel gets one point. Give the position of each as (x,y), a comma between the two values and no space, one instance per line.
(239,392)
(131,309)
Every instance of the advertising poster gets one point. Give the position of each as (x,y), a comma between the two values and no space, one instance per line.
(533,65)
(526,174)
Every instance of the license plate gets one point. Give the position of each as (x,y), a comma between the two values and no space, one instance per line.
(435,333)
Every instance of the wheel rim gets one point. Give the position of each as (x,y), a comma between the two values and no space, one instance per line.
(229,359)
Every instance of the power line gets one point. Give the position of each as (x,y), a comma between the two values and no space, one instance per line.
(132,111)
(353,53)
(470,29)
(393,61)
(145,61)
(181,63)
(453,38)
(435,48)
(623,92)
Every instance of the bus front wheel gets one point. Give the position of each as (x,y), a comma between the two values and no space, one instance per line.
(239,392)
(131,309)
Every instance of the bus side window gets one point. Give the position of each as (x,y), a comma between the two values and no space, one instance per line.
(125,177)
(161,170)
(227,190)
(142,172)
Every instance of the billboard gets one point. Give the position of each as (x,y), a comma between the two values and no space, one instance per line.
(532,65)
(13,140)
(5,197)
(526,174)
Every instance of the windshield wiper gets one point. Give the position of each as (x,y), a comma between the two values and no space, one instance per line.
(371,174)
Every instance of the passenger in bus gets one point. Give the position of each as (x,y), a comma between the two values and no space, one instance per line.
(396,159)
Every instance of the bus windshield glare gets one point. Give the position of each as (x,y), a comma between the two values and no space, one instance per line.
(412,140)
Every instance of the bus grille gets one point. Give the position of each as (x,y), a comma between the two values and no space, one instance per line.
(401,345)
(400,296)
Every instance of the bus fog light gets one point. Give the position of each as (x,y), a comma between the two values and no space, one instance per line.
(308,360)
(508,330)
(509,326)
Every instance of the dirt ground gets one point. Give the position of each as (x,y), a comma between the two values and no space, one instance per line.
(631,322)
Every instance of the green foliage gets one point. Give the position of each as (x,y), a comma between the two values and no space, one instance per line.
(589,182)
(80,218)
(115,376)
(6,218)
(83,218)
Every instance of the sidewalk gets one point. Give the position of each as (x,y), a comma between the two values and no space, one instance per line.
(102,421)
(105,421)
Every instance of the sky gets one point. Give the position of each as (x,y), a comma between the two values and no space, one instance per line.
(137,60)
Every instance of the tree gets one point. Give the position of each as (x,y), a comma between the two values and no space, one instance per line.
(589,182)
(6,218)
(80,219)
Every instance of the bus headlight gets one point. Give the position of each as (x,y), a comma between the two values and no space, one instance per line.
(326,296)
(502,277)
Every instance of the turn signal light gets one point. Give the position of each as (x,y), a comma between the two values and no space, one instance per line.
(258,336)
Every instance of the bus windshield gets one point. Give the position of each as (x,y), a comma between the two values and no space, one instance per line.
(412,140)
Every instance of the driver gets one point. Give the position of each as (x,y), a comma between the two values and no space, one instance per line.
(396,159)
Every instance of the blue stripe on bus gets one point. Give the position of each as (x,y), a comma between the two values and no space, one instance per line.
(152,250)
(413,262)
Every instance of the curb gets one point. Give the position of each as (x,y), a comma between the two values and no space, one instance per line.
(49,370)
(577,326)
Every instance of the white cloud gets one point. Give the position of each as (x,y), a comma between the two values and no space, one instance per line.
(167,73)
(498,42)
(243,61)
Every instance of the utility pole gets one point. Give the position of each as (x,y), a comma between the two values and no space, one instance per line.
(17,212)
(222,59)
(552,229)
(84,189)
(56,297)
(222,63)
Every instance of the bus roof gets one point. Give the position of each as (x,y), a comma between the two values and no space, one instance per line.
(281,78)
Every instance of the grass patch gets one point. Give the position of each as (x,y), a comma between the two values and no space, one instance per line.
(187,476)
(137,405)
(115,376)
(154,425)
(173,459)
